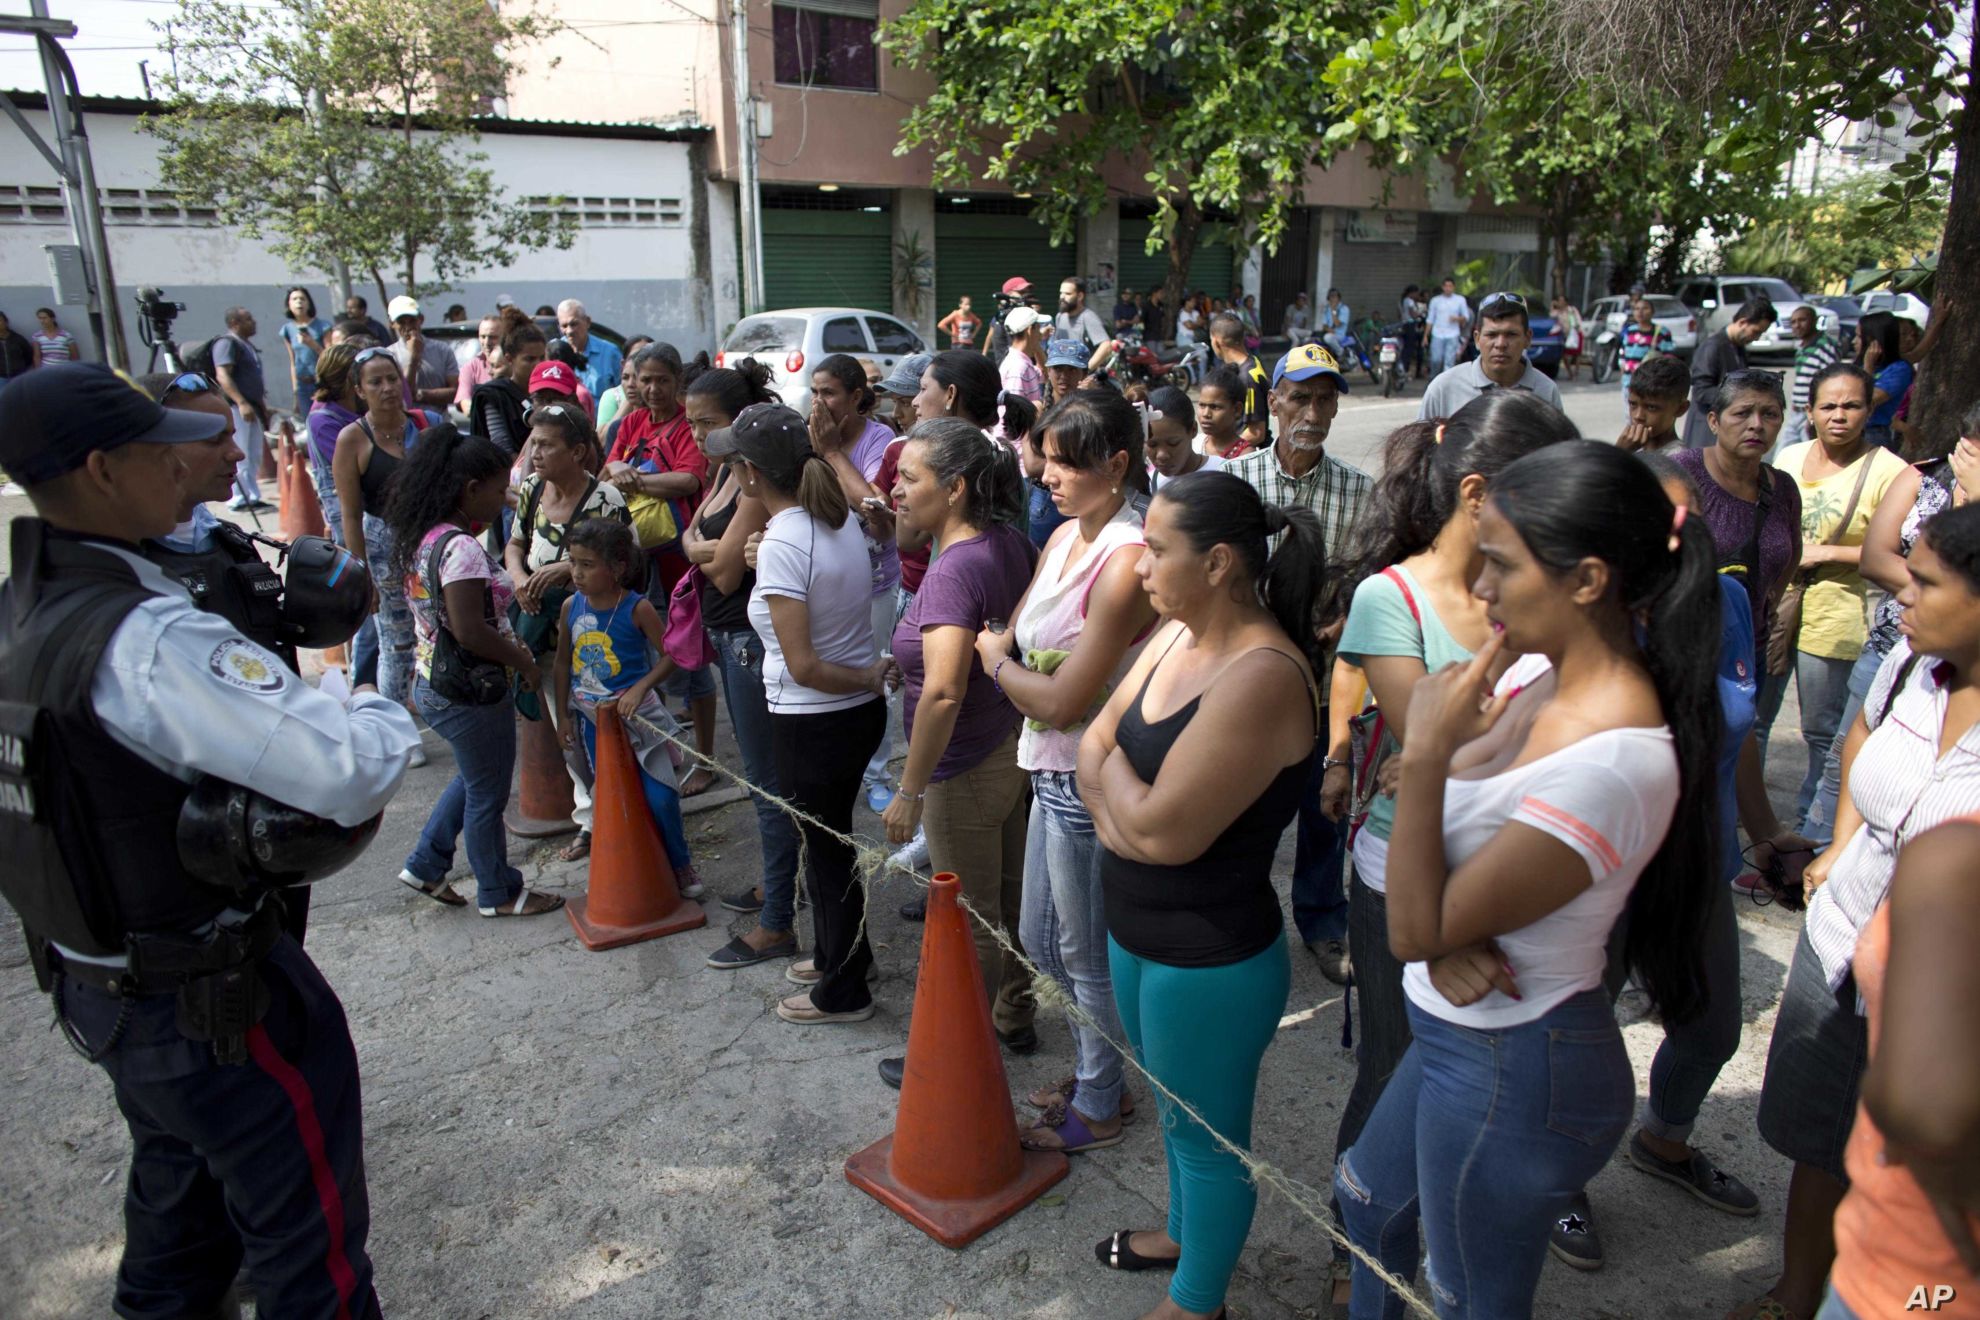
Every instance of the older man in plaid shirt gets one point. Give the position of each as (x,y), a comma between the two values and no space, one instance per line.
(1295,469)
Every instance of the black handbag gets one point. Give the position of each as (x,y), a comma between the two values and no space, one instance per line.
(457,674)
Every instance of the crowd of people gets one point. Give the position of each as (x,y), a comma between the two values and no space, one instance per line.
(1095,654)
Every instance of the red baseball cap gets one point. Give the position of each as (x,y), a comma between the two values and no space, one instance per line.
(556,376)
(1016,284)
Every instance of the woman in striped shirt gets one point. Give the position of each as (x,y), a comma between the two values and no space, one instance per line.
(1911,761)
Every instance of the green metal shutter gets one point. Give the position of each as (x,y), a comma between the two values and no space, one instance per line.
(1209,267)
(827,259)
(975,254)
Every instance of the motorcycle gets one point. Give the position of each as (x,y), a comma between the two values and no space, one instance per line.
(1389,358)
(1143,362)
(1607,353)
(1355,352)
(1189,370)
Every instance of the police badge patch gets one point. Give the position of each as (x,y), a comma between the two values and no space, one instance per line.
(240,664)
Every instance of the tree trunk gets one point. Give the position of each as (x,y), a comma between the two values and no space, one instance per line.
(1182,247)
(1945,379)
(1560,225)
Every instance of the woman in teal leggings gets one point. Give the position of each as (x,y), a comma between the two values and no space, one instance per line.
(1196,942)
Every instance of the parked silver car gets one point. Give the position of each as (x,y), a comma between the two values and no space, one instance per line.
(794,341)
(1603,325)
(1716,297)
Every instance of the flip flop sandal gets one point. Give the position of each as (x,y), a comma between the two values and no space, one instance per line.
(528,903)
(1062,1091)
(1069,1125)
(439,891)
(707,782)
(1116,1254)
(577,849)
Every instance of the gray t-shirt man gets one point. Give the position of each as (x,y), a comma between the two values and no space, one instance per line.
(232,351)
(437,365)
(1084,325)
(1461,384)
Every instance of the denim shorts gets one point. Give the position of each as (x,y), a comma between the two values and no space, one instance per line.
(690,684)
(1814,1067)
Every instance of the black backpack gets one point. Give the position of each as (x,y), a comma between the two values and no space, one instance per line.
(197,355)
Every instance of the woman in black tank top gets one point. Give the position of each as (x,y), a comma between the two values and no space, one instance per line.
(367,456)
(1192,772)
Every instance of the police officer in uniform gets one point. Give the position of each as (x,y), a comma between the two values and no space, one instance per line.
(159,774)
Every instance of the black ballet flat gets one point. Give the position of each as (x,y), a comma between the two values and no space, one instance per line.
(1116,1254)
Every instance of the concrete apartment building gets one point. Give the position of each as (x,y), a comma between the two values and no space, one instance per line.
(840,209)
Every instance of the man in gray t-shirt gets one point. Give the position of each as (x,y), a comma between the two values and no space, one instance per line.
(237,369)
(432,371)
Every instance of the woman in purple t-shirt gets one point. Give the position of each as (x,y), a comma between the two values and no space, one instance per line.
(965,490)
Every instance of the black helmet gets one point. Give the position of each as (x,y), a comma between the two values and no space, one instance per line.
(236,838)
(327,594)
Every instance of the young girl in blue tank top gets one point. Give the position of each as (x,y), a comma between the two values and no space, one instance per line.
(609,649)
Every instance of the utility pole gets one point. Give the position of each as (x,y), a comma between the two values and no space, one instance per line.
(76,171)
(750,202)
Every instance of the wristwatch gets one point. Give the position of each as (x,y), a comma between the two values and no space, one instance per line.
(1332,762)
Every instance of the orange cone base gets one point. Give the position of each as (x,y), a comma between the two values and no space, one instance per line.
(594,936)
(952,1223)
(531,827)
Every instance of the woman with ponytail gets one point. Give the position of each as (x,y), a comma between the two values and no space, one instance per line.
(1080,626)
(963,489)
(1413,560)
(449,485)
(823,680)
(1191,773)
(1535,813)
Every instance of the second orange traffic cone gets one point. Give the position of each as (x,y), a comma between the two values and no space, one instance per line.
(633,894)
(544,800)
(953,1167)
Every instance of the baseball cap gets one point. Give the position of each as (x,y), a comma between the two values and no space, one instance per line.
(53,419)
(1020,319)
(402,306)
(1016,284)
(504,300)
(769,435)
(556,376)
(1306,362)
(905,379)
(1067,353)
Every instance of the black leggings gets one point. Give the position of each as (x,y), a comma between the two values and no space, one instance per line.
(819,762)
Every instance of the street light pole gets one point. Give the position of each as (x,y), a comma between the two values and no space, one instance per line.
(77,173)
(749,202)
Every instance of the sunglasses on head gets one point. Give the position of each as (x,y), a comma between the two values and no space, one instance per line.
(1507,297)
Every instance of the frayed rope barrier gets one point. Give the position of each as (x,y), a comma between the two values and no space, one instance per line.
(875,862)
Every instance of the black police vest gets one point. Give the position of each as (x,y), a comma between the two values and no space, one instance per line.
(230,579)
(89,830)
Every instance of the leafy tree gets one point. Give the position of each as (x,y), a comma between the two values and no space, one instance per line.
(1826,239)
(1217,102)
(343,131)
(1758,80)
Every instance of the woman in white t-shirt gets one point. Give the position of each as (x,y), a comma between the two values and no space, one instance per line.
(824,681)
(1533,815)
(1415,555)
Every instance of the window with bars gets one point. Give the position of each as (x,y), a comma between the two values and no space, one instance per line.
(614,212)
(827,43)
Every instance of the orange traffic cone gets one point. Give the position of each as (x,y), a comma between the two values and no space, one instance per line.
(544,801)
(302,515)
(953,1167)
(633,894)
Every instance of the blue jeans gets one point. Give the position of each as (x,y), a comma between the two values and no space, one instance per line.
(1823,687)
(1819,822)
(1203,1031)
(1063,926)
(1382,1017)
(1443,354)
(484,743)
(1319,902)
(740,655)
(393,633)
(1482,1137)
(364,652)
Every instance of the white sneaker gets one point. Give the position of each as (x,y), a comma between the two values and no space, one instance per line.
(912,855)
(416,757)
(690,882)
